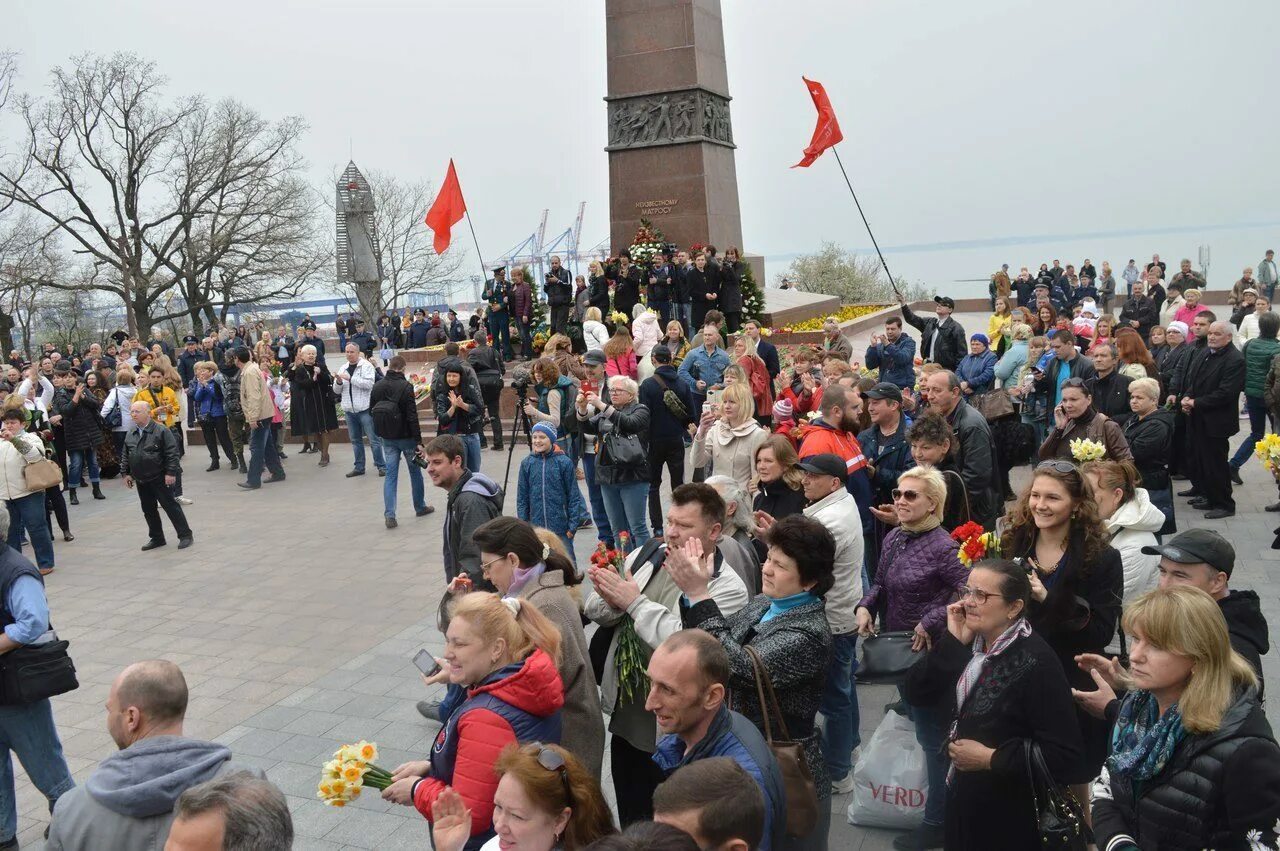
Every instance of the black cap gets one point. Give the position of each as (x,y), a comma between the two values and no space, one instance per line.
(826,464)
(884,390)
(191,338)
(661,353)
(595,357)
(945,301)
(1196,546)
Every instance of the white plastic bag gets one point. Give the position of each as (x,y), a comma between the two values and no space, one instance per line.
(890,783)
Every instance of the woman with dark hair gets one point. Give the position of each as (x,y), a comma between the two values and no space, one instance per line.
(781,491)
(1077,582)
(1007,690)
(459,409)
(545,800)
(521,565)
(81,425)
(487,363)
(1044,321)
(732,270)
(312,414)
(1075,418)
(108,460)
(931,440)
(786,626)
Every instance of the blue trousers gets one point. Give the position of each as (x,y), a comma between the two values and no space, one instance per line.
(360,425)
(472,444)
(76,459)
(839,707)
(27,514)
(262,453)
(604,531)
(391,452)
(1256,406)
(627,506)
(932,725)
(500,329)
(28,731)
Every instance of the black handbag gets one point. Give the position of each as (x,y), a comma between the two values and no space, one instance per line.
(34,672)
(1059,816)
(886,658)
(626,451)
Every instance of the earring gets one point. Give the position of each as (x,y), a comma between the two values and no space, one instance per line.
(1075,514)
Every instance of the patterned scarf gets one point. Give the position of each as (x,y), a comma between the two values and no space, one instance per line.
(1142,740)
(973,671)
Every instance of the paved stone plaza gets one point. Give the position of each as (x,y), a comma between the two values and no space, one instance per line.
(295,616)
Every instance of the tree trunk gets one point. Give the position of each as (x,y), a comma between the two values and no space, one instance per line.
(197,322)
(6,333)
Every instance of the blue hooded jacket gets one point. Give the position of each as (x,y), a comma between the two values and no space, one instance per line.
(978,370)
(547,492)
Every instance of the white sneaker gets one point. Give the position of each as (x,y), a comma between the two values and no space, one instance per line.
(843,786)
(182,500)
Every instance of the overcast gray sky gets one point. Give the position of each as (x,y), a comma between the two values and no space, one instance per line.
(963,121)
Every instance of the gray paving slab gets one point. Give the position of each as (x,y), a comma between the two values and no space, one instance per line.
(295,615)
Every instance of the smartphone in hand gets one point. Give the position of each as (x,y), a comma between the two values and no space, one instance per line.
(426,663)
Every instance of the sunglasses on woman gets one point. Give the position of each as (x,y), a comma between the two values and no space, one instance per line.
(553,761)
(1058,465)
(904,495)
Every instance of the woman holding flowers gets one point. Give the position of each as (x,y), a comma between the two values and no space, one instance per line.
(1075,419)
(546,799)
(504,652)
(521,565)
(1077,582)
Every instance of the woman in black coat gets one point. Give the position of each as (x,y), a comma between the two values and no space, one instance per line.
(597,288)
(1149,433)
(82,431)
(781,491)
(704,290)
(1077,583)
(731,271)
(786,624)
(312,411)
(1014,694)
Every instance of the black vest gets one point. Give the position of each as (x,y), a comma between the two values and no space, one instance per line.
(12,565)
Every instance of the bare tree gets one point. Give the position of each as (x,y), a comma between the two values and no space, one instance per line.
(160,195)
(29,260)
(409,260)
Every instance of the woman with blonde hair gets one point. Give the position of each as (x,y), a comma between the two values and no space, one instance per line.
(594,334)
(1193,763)
(758,378)
(620,354)
(311,411)
(504,652)
(1000,325)
(676,342)
(597,289)
(728,436)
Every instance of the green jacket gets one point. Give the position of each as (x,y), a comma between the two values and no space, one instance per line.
(1258,354)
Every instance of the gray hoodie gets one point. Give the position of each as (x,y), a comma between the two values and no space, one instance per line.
(127,803)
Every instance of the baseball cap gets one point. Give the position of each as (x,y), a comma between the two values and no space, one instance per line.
(826,464)
(945,301)
(661,353)
(595,357)
(1196,546)
(884,390)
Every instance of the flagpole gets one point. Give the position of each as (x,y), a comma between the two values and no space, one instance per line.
(483,271)
(835,150)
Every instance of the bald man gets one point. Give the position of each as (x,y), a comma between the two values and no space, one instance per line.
(128,801)
(150,460)
(1211,401)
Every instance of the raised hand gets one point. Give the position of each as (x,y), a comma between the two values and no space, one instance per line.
(956,623)
(451,821)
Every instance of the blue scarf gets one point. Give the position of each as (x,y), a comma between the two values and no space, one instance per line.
(1142,741)
(786,604)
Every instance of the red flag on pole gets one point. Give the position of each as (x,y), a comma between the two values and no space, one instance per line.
(447,210)
(827,133)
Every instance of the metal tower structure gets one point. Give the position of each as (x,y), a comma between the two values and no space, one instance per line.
(359,254)
(566,242)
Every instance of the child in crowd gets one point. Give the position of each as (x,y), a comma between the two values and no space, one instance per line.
(784,421)
(547,493)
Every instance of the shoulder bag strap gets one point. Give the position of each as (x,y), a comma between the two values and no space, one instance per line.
(762,677)
(759,680)
(658,378)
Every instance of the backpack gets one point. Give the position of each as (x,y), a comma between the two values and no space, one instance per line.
(387,420)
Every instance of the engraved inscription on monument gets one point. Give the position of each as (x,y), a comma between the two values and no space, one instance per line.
(694,115)
(659,207)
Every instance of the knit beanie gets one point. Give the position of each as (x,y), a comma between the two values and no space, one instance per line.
(546,428)
(783,410)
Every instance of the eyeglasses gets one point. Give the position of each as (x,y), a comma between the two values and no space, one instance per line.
(979,596)
(905,495)
(1057,466)
(484,568)
(553,761)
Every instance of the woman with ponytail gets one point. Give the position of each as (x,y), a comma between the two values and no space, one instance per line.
(504,652)
(1132,520)
(520,564)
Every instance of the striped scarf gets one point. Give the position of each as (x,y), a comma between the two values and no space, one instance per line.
(973,671)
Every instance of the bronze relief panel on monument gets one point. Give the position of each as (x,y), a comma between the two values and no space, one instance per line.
(669,118)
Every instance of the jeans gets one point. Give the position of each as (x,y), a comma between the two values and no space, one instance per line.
(500,329)
(28,731)
(664,312)
(684,313)
(668,451)
(262,452)
(76,461)
(626,506)
(1257,408)
(840,707)
(392,449)
(932,724)
(568,545)
(360,424)
(604,531)
(27,513)
(472,444)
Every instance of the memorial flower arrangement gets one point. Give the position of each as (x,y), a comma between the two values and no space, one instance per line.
(1083,449)
(1268,452)
(633,682)
(976,543)
(648,241)
(421,386)
(351,769)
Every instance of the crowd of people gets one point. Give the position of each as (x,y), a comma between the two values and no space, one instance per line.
(1087,653)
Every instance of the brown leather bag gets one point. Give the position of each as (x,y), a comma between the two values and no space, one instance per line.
(797,780)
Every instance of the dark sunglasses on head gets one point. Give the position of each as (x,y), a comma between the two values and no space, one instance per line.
(553,761)
(908,495)
(1074,382)
(1057,465)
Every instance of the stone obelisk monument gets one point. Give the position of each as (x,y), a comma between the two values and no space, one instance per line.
(670,136)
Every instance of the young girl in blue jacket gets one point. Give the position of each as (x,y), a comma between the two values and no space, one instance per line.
(547,492)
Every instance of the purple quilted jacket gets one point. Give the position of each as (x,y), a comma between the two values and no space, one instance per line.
(917,577)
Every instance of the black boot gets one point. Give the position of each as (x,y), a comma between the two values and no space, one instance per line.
(74,499)
(97,490)
(213,465)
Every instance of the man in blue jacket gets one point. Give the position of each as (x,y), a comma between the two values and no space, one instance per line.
(894,354)
(690,676)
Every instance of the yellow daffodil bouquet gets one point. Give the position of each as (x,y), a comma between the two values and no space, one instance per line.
(1083,449)
(1268,452)
(350,770)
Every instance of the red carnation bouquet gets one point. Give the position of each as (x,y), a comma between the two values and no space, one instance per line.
(976,543)
(628,656)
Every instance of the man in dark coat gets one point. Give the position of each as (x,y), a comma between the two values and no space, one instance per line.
(627,283)
(497,292)
(364,341)
(150,462)
(1211,401)
(559,299)
(416,337)
(1110,388)
(942,340)
(974,450)
(1139,312)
